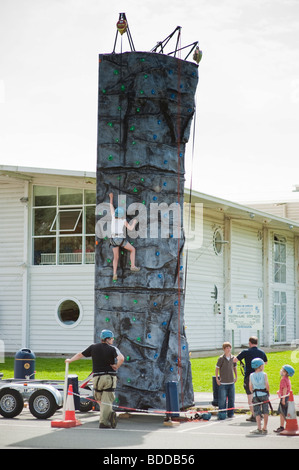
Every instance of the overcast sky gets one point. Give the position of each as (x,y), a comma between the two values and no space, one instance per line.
(247,101)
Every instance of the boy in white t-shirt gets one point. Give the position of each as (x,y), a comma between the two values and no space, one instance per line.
(118,237)
(259,386)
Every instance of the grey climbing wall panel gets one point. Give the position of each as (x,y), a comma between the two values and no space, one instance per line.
(145,109)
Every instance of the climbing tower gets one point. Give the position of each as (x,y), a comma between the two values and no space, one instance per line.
(145,109)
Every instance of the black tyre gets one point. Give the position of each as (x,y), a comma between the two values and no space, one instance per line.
(11,402)
(85,404)
(42,404)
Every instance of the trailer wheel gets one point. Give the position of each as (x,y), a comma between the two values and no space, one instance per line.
(85,405)
(11,402)
(42,404)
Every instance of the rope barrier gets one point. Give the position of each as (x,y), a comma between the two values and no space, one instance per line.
(181,413)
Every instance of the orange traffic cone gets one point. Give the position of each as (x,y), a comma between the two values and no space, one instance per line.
(69,420)
(291,420)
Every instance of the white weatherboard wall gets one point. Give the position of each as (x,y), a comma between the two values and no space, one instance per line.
(290,209)
(49,286)
(204,328)
(12,269)
(246,268)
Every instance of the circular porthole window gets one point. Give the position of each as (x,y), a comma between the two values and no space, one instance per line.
(69,312)
(218,241)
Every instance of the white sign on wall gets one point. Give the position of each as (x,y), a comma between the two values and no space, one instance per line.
(243,315)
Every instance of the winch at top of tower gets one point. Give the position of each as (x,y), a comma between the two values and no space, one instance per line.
(123,27)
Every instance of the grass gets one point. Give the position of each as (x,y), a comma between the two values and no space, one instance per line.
(202,371)
(50,368)
(204,368)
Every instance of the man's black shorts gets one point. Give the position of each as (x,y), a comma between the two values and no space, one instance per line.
(246,385)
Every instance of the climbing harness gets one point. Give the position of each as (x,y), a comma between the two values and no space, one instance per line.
(109,389)
(261,403)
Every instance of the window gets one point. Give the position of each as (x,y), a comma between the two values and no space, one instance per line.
(280,259)
(63,225)
(68,312)
(280,316)
(67,220)
(218,241)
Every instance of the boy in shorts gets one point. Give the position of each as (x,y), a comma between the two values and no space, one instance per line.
(259,387)
(284,390)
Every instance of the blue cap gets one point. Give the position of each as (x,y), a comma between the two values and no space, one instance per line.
(289,369)
(256,363)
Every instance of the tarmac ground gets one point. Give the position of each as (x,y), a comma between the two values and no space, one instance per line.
(144,435)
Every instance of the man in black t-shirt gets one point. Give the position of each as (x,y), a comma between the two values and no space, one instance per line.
(248,354)
(106,359)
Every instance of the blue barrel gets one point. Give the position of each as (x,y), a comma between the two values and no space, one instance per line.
(24,366)
(73,380)
(172,399)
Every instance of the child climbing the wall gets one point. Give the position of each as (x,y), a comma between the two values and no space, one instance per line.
(118,237)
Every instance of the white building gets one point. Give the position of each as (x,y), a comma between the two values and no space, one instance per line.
(288,209)
(47,265)
(252,257)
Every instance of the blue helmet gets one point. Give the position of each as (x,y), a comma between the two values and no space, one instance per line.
(256,363)
(119,212)
(105,334)
(289,369)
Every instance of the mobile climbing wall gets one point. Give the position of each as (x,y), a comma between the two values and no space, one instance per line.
(145,109)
